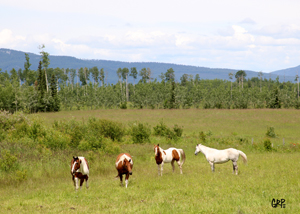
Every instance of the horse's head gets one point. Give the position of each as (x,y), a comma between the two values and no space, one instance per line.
(127,165)
(156,149)
(198,149)
(75,164)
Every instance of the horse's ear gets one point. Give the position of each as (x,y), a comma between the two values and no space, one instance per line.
(73,157)
(157,144)
(80,161)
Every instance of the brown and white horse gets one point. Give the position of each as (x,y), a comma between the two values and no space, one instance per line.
(168,156)
(124,164)
(79,171)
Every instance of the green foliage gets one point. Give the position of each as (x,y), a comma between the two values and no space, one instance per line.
(55,101)
(107,128)
(274,101)
(271,132)
(162,130)
(55,140)
(267,145)
(73,128)
(202,136)
(123,105)
(140,133)
(178,130)
(8,162)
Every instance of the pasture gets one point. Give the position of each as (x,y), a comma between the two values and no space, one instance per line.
(268,174)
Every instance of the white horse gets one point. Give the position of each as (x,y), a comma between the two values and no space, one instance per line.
(221,156)
(168,156)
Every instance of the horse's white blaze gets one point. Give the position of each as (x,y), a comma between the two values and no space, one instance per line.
(73,166)
(122,158)
(84,169)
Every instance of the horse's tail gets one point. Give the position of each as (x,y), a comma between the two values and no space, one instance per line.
(244,156)
(182,156)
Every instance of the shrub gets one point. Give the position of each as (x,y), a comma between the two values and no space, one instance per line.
(123,105)
(178,130)
(21,175)
(267,145)
(202,136)
(107,128)
(8,162)
(111,148)
(73,128)
(140,132)
(161,129)
(84,145)
(271,132)
(57,140)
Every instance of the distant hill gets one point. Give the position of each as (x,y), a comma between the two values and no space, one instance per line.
(15,59)
(288,72)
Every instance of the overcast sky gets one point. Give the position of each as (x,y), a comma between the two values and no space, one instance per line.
(259,35)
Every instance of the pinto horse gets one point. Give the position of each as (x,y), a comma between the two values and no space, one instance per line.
(124,165)
(79,171)
(221,156)
(168,156)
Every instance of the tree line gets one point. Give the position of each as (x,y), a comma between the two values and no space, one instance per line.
(53,89)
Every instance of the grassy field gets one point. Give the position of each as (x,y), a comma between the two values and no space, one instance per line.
(267,175)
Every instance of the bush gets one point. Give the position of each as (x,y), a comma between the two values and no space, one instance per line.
(73,128)
(162,130)
(8,162)
(178,130)
(271,132)
(56,140)
(91,142)
(267,145)
(123,105)
(202,136)
(140,132)
(107,128)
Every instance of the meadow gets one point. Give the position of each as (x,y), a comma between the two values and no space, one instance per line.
(267,175)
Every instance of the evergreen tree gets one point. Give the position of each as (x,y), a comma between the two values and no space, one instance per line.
(55,103)
(41,87)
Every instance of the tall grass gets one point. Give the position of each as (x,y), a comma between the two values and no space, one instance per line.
(41,180)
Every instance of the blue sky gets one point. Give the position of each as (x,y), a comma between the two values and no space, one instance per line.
(251,35)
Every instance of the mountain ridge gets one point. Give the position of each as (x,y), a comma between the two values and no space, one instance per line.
(15,59)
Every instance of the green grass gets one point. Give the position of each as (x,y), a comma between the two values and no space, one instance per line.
(249,122)
(267,175)
(197,190)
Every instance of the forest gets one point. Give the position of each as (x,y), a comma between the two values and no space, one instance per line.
(53,89)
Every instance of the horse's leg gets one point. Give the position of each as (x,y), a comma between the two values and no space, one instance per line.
(161,168)
(81,182)
(235,167)
(180,166)
(212,166)
(76,183)
(87,184)
(126,179)
(121,179)
(158,169)
(172,162)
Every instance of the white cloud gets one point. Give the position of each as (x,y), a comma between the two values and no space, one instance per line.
(202,33)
